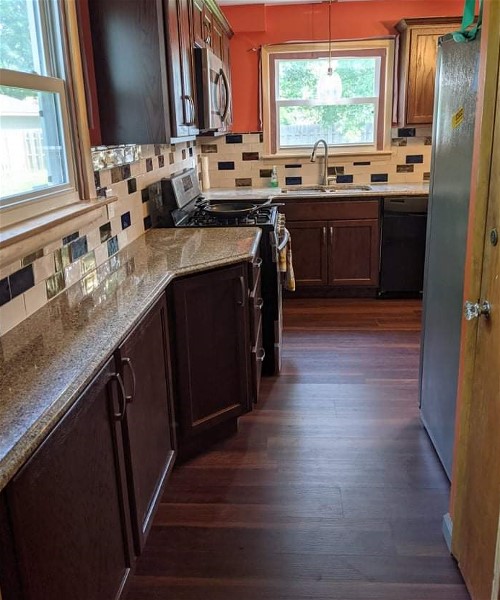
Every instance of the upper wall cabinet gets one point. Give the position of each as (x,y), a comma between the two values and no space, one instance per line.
(139,66)
(417,66)
(131,79)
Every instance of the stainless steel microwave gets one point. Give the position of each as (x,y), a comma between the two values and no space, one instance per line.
(214,91)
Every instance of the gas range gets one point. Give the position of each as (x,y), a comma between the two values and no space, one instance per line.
(177,202)
(265,217)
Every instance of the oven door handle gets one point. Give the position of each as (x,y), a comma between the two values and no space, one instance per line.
(284,241)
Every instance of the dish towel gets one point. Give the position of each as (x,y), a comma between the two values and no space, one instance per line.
(286,264)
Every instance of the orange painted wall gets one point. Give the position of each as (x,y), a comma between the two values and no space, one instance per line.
(256,26)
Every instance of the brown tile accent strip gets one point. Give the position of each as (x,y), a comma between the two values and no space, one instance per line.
(116,176)
(362,163)
(209,149)
(399,142)
(336,170)
(243,182)
(428,141)
(171,158)
(250,156)
(266,172)
(27,260)
(427,176)
(405,168)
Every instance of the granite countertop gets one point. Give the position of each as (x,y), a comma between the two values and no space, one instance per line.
(48,359)
(376,189)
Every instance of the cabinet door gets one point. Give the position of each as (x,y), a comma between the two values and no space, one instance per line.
(211,348)
(217,39)
(130,61)
(310,252)
(183,108)
(149,439)
(67,504)
(421,76)
(198,33)
(354,253)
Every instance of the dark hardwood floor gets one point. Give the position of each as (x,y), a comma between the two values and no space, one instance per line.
(329,491)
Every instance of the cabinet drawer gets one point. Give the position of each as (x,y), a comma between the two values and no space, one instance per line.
(301,210)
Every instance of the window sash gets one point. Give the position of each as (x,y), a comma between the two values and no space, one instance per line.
(66,192)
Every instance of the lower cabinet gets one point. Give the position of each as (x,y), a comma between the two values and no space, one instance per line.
(77,510)
(310,252)
(211,353)
(353,252)
(68,505)
(336,245)
(148,433)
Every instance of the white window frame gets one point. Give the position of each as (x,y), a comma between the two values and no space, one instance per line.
(63,59)
(270,106)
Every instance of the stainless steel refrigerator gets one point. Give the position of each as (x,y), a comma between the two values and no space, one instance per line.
(453,140)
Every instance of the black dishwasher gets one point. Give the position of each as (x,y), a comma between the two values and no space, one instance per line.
(404,224)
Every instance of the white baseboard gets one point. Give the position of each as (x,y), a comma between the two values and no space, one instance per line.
(447,529)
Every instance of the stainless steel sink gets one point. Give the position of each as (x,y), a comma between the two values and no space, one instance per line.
(311,190)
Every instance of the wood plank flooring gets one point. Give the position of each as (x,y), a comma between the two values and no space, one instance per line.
(329,491)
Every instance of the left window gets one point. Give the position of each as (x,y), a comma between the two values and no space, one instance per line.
(36,152)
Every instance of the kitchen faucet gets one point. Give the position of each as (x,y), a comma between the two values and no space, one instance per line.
(326,179)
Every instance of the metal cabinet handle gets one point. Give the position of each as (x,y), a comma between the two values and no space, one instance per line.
(474,310)
(127,362)
(119,416)
(207,33)
(261,355)
(227,93)
(258,263)
(260,303)
(324,236)
(243,292)
(190,121)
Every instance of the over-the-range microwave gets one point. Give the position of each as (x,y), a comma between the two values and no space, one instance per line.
(214,92)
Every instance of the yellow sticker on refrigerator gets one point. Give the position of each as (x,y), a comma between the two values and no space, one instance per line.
(458,118)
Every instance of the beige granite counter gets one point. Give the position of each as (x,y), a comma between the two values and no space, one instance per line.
(376,189)
(48,359)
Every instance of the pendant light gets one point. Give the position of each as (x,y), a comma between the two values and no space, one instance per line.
(330,69)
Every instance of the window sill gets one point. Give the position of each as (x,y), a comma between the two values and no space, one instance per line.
(377,155)
(18,236)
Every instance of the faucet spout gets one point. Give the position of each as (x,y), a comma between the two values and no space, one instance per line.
(313,159)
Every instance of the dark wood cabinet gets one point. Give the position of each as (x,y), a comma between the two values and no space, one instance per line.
(211,351)
(68,505)
(353,253)
(336,245)
(310,251)
(417,66)
(131,79)
(181,70)
(148,433)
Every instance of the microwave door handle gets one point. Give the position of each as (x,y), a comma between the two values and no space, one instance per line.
(227,91)
(217,98)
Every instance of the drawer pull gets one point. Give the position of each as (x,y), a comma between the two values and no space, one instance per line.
(258,263)
(261,354)
(119,416)
(260,303)
(128,362)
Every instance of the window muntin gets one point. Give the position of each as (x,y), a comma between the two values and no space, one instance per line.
(348,108)
(33,105)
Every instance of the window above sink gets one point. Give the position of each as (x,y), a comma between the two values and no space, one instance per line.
(350,106)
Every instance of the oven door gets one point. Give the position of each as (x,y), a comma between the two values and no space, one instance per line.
(215,91)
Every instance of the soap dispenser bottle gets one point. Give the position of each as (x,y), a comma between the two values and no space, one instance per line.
(274,177)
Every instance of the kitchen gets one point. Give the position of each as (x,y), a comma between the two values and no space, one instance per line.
(237,448)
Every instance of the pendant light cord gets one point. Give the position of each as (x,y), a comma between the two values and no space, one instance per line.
(330,70)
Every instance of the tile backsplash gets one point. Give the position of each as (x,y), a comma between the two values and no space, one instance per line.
(30,282)
(236,160)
